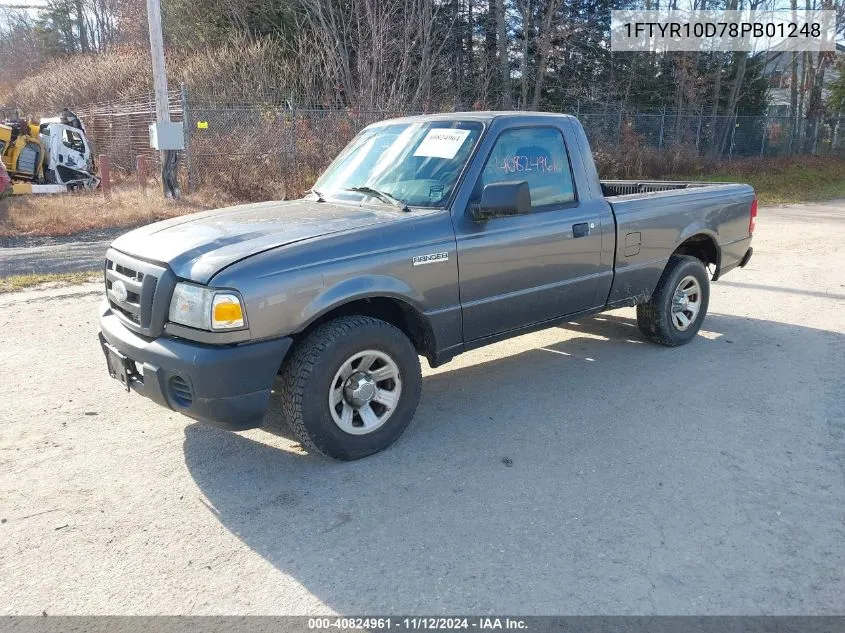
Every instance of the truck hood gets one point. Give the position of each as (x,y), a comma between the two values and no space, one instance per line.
(199,245)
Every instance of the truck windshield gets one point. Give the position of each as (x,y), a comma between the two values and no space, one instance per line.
(416,164)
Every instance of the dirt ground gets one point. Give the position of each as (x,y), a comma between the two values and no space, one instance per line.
(577,470)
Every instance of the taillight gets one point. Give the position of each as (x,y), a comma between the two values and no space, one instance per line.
(753,221)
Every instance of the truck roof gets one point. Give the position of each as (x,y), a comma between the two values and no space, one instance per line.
(484,117)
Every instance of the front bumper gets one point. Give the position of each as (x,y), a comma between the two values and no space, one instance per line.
(226,386)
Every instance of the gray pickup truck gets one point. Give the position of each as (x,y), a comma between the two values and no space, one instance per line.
(428,235)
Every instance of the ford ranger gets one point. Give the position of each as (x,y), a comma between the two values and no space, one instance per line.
(427,236)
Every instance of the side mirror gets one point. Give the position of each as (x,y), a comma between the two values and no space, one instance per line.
(502,199)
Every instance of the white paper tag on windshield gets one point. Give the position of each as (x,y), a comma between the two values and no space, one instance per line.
(442,143)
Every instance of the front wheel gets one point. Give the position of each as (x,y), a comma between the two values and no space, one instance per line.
(677,308)
(351,387)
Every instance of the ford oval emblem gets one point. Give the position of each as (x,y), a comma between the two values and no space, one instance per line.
(118,289)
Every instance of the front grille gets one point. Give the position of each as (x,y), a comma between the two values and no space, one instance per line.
(132,316)
(128,272)
(148,289)
(180,391)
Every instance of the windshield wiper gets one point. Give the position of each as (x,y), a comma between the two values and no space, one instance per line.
(381,195)
(320,196)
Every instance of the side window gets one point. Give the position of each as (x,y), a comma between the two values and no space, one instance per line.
(73,140)
(535,155)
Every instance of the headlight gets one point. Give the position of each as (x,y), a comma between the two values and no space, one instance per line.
(205,308)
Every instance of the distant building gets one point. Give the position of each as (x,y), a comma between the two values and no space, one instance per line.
(778,70)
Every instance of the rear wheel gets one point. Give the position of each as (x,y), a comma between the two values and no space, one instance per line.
(351,387)
(677,308)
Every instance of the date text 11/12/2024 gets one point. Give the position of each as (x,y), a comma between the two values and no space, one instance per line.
(416,623)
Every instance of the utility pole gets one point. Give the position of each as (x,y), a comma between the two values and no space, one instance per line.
(169,157)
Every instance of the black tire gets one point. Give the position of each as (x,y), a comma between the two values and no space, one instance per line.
(307,376)
(655,317)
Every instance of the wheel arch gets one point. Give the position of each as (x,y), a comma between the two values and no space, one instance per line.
(383,301)
(703,245)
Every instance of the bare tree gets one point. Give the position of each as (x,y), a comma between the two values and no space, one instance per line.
(383,53)
(525,8)
(504,64)
(543,52)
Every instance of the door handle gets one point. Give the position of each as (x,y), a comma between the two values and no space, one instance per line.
(581,230)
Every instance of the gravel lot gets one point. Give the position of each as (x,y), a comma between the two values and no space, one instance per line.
(708,479)
(43,255)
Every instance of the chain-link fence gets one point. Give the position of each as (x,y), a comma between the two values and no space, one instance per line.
(719,136)
(270,149)
(121,130)
(266,151)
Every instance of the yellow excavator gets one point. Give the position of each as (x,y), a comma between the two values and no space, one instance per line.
(22,153)
(49,156)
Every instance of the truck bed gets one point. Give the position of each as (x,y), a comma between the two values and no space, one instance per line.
(652,217)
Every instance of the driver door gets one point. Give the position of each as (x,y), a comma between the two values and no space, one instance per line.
(524,269)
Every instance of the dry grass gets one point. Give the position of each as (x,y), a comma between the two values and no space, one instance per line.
(128,206)
(785,179)
(632,158)
(777,180)
(46,280)
(98,77)
(250,69)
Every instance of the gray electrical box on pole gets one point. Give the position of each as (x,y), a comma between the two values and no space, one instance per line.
(166,135)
